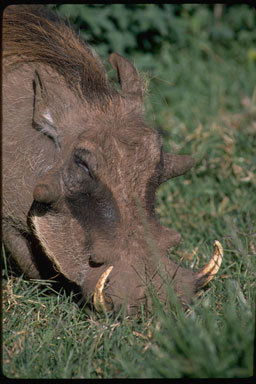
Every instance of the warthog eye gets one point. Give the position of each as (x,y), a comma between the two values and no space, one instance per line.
(82,164)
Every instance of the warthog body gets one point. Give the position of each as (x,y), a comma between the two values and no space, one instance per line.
(81,167)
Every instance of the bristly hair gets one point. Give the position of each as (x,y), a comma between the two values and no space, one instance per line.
(33,33)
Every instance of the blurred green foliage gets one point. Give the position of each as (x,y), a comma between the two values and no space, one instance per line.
(148,28)
(184,49)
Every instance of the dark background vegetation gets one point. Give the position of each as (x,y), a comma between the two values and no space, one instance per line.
(198,63)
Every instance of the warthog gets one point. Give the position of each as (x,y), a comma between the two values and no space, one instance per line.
(81,167)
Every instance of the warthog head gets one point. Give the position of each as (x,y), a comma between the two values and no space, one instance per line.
(94,179)
(94,211)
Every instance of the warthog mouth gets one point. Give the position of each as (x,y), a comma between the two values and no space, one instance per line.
(204,276)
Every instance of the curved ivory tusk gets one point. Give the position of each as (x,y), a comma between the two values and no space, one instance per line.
(98,297)
(213,265)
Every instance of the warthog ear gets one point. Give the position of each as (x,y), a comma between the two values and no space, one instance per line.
(42,117)
(175,165)
(128,77)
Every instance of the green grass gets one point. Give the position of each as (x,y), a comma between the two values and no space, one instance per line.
(204,101)
(49,336)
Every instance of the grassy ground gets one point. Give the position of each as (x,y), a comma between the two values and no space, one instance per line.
(211,114)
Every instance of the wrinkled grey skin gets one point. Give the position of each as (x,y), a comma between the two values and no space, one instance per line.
(81,167)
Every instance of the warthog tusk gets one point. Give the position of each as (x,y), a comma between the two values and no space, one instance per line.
(213,265)
(98,297)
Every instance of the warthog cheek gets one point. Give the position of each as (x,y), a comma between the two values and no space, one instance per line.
(59,249)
